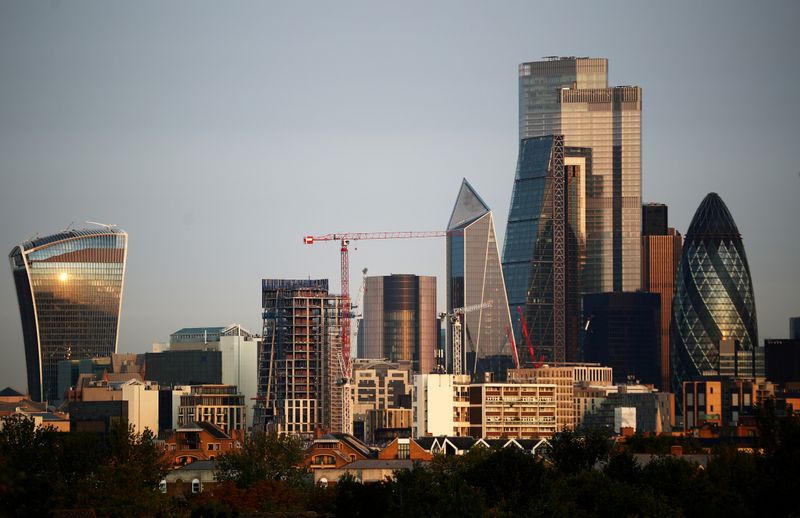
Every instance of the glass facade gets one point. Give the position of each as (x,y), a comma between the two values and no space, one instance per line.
(400,319)
(713,294)
(570,97)
(474,278)
(69,288)
(543,254)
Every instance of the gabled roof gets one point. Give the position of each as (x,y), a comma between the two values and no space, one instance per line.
(427,442)
(10,392)
(381,464)
(213,429)
(459,443)
(350,441)
(469,207)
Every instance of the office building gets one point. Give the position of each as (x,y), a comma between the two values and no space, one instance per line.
(661,253)
(381,398)
(69,288)
(300,387)
(399,320)
(713,294)
(544,248)
(782,359)
(637,406)
(141,398)
(794,328)
(475,282)
(718,402)
(570,96)
(189,367)
(623,331)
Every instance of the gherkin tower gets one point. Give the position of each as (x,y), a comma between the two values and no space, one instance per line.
(713,294)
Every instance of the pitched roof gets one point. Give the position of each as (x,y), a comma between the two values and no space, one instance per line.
(462,443)
(426,442)
(381,464)
(10,392)
(213,429)
(468,207)
(199,465)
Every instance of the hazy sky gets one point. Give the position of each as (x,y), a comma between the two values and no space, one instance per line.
(219,133)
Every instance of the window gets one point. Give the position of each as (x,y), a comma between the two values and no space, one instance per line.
(403,450)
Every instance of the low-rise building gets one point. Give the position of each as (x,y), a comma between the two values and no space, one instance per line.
(142,399)
(198,441)
(440,404)
(335,450)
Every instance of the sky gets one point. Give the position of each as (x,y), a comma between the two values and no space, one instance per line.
(218,134)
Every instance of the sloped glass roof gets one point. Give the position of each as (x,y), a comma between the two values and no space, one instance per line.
(469,207)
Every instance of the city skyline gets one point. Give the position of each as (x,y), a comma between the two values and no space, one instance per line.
(190,126)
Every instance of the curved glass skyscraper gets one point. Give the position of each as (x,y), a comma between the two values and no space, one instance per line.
(713,294)
(69,287)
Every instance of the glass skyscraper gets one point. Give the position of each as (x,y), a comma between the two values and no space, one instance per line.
(69,288)
(714,299)
(544,248)
(570,97)
(400,320)
(475,279)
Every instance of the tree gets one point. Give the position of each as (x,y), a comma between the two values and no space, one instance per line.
(576,451)
(263,456)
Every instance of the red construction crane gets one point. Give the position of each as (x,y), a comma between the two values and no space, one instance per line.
(344,238)
(528,339)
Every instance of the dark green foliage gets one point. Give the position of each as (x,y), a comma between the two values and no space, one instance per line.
(42,470)
(580,450)
(263,456)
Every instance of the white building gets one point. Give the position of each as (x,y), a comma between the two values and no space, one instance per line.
(440,404)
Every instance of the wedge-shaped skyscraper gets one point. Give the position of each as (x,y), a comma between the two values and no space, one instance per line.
(713,294)
(69,287)
(475,282)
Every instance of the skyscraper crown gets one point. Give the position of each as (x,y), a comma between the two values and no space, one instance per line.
(712,220)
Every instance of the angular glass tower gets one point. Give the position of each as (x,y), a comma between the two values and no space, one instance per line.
(474,279)
(713,294)
(69,288)
(570,96)
(543,252)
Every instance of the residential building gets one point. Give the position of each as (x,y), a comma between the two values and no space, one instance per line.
(570,96)
(440,405)
(475,282)
(222,405)
(169,402)
(661,253)
(69,288)
(544,248)
(504,410)
(399,320)
(713,296)
(300,363)
(564,377)
(623,331)
(335,450)
(405,448)
(198,441)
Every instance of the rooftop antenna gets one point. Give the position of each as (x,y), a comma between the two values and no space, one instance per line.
(106,225)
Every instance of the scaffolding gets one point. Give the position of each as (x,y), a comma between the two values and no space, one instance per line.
(298,362)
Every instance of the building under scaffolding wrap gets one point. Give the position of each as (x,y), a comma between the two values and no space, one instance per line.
(301,387)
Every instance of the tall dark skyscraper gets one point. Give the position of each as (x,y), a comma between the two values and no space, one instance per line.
(570,96)
(544,248)
(400,320)
(661,253)
(69,288)
(475,280)
(713,295)
(623,333)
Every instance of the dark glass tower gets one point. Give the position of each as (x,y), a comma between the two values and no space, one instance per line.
(713,294)
(544,249)
(69,287)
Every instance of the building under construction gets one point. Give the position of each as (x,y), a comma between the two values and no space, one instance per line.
(301,386)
